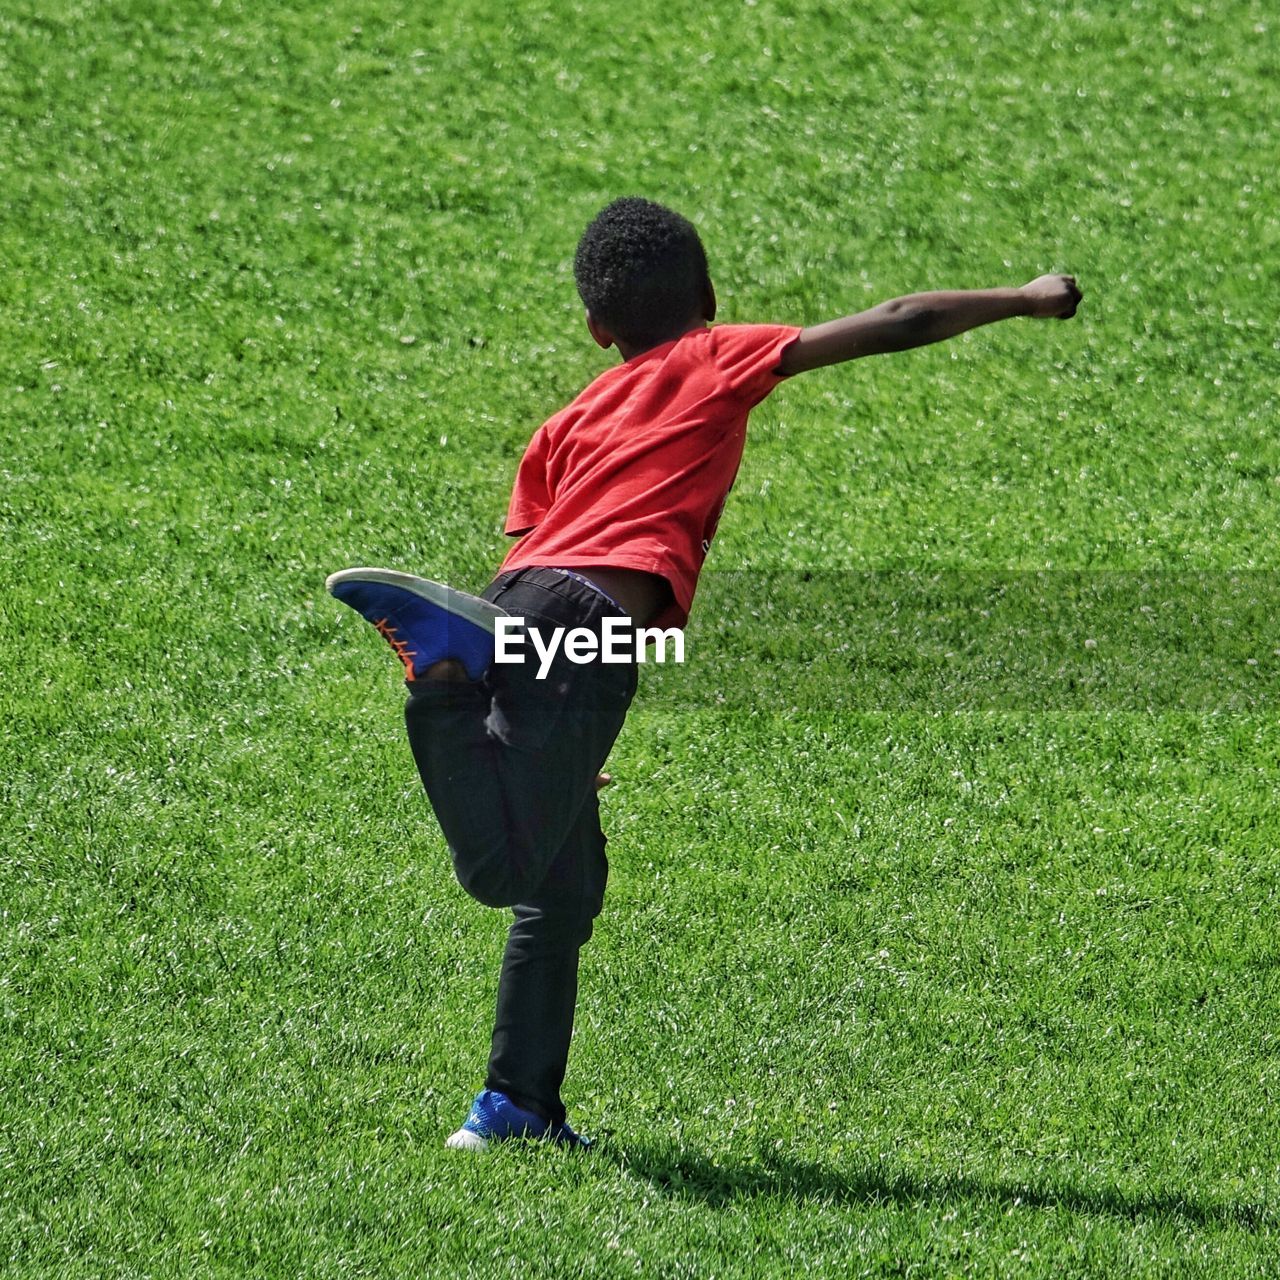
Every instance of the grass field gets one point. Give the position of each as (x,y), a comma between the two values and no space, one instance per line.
(941,937)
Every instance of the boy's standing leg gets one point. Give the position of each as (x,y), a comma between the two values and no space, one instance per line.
(538,985)
(509,765)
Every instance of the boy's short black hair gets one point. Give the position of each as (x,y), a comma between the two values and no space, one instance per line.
(641,270)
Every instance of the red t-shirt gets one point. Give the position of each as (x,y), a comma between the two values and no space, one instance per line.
(634,473)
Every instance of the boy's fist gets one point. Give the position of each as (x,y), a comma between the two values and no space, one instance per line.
(1053,297)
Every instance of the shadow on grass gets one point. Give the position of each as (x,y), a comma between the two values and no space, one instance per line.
(677,1172)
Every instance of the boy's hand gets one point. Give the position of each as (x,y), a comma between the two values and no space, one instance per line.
(1053,297)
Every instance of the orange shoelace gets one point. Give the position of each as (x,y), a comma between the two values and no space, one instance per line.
(403,652)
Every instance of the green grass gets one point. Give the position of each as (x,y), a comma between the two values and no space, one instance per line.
(952,955)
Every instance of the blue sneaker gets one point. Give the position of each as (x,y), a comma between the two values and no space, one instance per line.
(423,621)
(495,1118)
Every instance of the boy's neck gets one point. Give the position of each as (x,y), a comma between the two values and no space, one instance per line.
(629,352)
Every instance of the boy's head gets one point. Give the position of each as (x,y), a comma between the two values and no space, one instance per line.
(642,273)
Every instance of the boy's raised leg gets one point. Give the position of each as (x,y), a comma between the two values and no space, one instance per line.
(510,763)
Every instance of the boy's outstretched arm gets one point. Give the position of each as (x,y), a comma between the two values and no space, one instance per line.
(921,318)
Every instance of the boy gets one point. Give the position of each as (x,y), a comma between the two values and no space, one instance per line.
(615,504)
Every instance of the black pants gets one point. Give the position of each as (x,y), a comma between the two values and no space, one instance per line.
(509,765)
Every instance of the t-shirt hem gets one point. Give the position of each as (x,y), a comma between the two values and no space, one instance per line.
(641,564)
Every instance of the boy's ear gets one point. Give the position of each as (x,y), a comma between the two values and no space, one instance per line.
(602,335)
(709,303)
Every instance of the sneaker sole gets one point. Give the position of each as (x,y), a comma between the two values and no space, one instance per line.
(465,1140)
(471,608)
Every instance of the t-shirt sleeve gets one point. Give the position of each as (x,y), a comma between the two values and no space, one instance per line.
(531,494)
(748,356)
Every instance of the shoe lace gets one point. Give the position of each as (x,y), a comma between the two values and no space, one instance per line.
(401,646)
